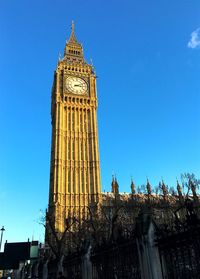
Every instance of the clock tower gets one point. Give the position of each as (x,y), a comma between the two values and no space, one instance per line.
(74,171)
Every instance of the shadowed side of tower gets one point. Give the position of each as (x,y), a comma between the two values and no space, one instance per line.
(75,170)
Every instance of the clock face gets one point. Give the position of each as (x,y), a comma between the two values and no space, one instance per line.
(76,85)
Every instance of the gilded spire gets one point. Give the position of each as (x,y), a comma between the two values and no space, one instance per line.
(72,26)
(72,38)
(73,49)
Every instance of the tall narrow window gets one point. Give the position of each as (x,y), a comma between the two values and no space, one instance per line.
(81,122)
(89,123)
(82,171)
(81,150)
(69,120)
(72,149)
(90,150)
(68,149)
(85,122)
(69,180)
(77,121)
(74,180)
(85,148)
(73,117)
(86,180)
(91,177)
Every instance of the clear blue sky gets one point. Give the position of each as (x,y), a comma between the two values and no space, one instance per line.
(147,58)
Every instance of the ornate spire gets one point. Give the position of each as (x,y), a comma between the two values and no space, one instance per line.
(148,187)
(72,38)
(164,189)
(115,186)
(73,49)
(132,187)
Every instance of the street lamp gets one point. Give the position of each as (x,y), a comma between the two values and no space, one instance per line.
(2,230)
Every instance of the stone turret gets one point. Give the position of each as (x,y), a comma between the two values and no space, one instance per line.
(132,187)
(148,186)
(115,186)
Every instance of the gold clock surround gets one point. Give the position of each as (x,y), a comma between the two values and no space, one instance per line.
(76,85)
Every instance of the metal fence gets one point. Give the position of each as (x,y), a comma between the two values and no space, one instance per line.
(116,261)
(119,260)
(73,266)
(174,247)
(179,248)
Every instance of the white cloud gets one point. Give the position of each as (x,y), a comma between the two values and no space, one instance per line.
(195,39)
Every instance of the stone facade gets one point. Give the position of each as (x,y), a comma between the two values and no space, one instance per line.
(75,171)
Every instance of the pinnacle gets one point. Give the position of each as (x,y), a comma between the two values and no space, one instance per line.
(72,38)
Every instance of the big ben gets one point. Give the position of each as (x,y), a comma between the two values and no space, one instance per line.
(74,170)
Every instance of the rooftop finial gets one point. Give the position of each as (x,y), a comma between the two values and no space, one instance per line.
(114,184)
(72,26)
(148,186)
(73,49)
(113,178)
(132,186)
(72,38)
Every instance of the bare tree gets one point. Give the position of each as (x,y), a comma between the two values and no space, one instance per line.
(57,240)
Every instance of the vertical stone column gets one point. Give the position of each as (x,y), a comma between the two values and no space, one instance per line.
(71,165)
(84,150)
(97,167)
(66,151)
(80,155)
(91,157)
(57,160)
